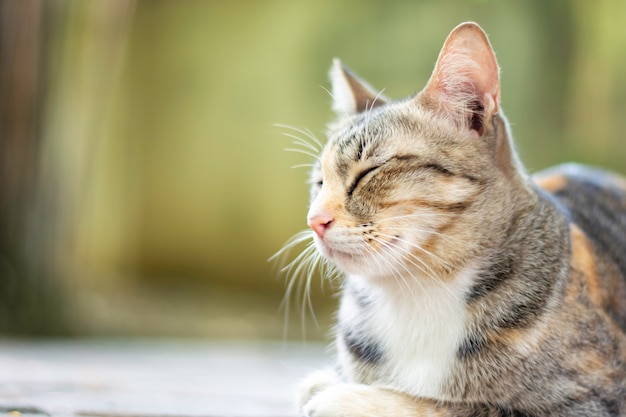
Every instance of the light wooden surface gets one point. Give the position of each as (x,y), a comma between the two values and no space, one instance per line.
(153,378)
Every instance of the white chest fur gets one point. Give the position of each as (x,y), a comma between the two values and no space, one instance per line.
(417,327)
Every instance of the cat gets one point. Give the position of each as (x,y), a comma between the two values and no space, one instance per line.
(470,288)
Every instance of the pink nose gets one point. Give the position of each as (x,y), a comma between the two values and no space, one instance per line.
(320,223)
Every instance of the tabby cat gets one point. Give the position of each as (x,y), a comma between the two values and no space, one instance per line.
(471,289)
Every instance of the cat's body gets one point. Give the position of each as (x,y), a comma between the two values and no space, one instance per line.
(471,289)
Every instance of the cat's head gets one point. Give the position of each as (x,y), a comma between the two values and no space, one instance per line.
(414,186)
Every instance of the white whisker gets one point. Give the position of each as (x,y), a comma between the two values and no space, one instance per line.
(373,103)
(291,242)
(300,272)
(421,249)
(423,267)
(420,230)
(394,270)
(302,166)
(304,131)
(409,257)
(302,142)
(327,91)
(302,151)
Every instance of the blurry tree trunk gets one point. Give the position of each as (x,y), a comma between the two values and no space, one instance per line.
(29,290)
(58,61)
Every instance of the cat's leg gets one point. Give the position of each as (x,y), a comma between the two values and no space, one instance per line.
(352,400)
(324,394)
(358,400)
(314,383)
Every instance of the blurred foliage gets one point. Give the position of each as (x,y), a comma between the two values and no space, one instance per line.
(157,186)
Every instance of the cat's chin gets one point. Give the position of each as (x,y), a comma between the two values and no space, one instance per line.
(345,261)
(339,258)
(350,263)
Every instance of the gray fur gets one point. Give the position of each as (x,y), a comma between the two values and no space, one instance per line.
(424,201)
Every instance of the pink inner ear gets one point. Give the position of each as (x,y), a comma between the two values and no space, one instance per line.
(466,76)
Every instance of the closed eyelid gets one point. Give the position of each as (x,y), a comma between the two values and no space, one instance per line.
(360,177)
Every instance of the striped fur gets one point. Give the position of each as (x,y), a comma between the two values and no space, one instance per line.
(471,288)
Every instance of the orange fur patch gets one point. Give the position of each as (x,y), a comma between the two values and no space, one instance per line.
(552,183)
(582,261)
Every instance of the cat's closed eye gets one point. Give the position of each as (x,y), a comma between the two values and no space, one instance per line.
(359,178)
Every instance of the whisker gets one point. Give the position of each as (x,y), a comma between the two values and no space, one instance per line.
(415,280)
(295,276)
(379,95)
(305,269)
(425,268)
(302,166)
(368,114)
(291,242)
(409,257)
(309,134)
(300,272)
(395,272)
(418,247)
(302,142)
(304,131)
(421,230)
(302,151)
(327,91)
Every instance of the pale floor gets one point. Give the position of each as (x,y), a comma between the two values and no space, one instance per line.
(153,378)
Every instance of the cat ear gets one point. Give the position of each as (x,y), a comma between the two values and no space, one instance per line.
(351,95)
(465,84)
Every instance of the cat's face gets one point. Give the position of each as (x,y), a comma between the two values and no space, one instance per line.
(390,189)
(401,187)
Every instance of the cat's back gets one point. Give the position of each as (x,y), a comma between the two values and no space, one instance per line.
(594,200)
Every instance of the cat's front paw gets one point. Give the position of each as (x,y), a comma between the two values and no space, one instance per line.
(314,383)
(340,400)
(357,400)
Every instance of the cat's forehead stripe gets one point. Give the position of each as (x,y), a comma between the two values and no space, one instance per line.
(362,141)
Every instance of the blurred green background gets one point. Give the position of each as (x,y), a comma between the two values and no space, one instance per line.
(144,185)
